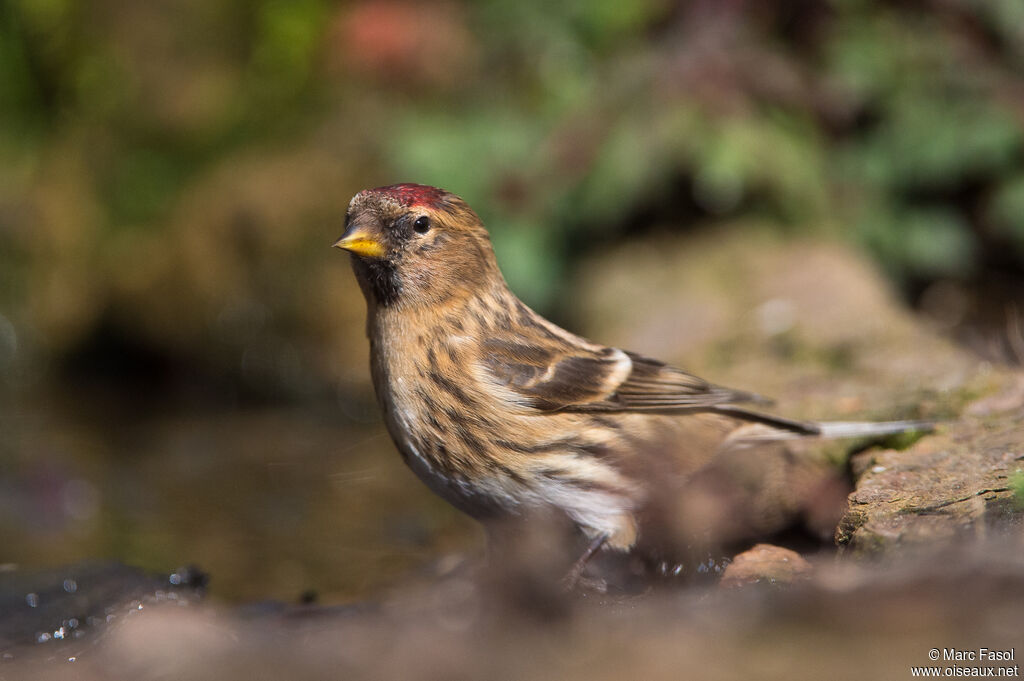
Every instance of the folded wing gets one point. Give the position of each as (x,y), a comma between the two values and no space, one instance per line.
(558,376)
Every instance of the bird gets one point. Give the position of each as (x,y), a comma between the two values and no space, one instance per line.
(503,413)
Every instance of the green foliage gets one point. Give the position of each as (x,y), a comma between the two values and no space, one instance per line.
(1017,485)
(924,241)
(937,142)
(1007,210)
(287,37)
(564,124)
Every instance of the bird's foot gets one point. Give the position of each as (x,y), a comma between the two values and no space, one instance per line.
(574,578)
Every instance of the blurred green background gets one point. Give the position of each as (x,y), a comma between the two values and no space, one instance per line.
(172,173)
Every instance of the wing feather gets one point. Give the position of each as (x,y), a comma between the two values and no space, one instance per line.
(563,376)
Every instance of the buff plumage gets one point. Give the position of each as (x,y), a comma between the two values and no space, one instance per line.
(501,412)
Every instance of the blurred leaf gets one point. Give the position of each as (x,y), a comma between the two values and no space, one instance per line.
(605,23)
(629,163)
(287,40)
(922,241)
(101,87)
(776,154)
(938,142)
(463,153)
(530,259)
(142,185)
(1017,485)
(1006,209)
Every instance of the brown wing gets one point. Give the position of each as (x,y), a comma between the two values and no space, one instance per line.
(552,375)
(557,376)
(653,385)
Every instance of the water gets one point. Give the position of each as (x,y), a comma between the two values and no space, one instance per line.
(271,503)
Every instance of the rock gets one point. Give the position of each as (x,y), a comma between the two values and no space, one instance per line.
(766,563)
(1009,399)
(950,485)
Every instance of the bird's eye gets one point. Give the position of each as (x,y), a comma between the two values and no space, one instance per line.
(422,224)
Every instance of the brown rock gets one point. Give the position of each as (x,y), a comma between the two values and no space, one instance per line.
(766,563)
(951,485)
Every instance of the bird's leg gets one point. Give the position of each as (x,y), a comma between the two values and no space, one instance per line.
(573,576)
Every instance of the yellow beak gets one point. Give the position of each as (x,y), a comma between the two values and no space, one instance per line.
(361,243)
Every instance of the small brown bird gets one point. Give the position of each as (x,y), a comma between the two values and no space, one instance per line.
(502,413)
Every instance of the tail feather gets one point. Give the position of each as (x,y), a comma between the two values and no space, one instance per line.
(776,423)
(839,429)
(771,427)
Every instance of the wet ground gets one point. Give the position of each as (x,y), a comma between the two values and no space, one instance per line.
(55,615)
(273,503)
(947,608)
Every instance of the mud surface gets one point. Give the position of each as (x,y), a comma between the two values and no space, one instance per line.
(841,621)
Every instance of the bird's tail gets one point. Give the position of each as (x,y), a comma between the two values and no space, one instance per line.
(838,429)
(770,427)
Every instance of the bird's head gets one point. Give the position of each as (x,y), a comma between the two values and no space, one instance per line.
(413,245)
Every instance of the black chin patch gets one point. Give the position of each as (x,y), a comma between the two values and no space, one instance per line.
(380,277)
